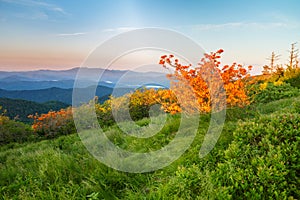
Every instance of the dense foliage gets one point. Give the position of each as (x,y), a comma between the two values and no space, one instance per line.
(262,161)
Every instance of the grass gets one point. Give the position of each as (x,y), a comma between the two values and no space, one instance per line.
(62,168)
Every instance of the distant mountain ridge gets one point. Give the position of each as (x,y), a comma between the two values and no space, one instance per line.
(62,95)
(15,77)
(43,79)
(57,85)
(38,85)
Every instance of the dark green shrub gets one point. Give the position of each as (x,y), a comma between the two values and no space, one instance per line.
(295,81)
(139,112)
(263,160)
(272,92)
(12,131)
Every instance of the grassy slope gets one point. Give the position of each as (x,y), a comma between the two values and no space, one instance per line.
(63,169)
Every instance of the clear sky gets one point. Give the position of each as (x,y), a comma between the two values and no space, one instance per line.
(59,34)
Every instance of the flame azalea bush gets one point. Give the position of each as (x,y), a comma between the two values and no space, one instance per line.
(168,101)
(54,123)
(206,82)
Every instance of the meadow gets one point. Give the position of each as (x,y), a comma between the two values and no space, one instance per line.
(250,160)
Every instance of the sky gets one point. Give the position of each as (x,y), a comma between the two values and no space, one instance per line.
(60,34)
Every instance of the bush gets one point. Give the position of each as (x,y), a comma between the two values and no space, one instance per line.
(104,114)
(295,81)
(12,131)
(138,104)
(205,80)
(54,123)
(267,92)
(262,162)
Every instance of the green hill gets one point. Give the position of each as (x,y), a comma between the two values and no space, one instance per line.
(20,109)
(256,157)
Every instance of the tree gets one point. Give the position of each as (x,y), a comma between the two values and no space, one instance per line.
(266,70)
(272,59)
(292,66)
(293,57)
(272,68)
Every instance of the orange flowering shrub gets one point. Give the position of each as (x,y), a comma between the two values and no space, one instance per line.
(168,101)
(53,123)
(206,80)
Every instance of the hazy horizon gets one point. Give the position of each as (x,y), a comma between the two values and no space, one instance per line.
(73,68)
(59,35)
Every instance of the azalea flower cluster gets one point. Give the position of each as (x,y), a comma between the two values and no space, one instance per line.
(53,122)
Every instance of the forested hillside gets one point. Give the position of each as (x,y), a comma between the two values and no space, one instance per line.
(20,109)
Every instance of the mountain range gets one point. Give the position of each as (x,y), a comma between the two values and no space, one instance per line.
(57,85)
(43,79)
(62,95)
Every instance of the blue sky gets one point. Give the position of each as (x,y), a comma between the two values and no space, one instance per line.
(59,34)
